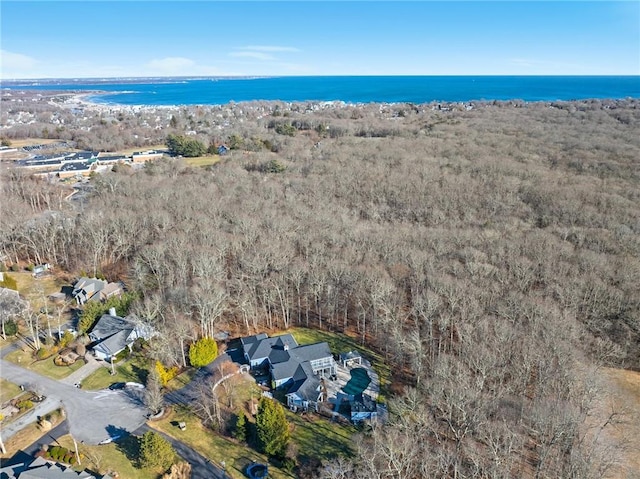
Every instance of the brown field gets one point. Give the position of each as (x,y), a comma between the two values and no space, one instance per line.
(33,141)
(622,401)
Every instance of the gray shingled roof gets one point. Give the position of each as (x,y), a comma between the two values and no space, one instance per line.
(272,348)
(305,383)
(39,468)
(109,325)
(310,352)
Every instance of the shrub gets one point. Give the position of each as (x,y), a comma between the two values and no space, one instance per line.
(202,352)
(66,339)
(24,404)
(165,374)
(43,353)
(10,328)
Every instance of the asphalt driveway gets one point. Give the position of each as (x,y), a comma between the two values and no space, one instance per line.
(93,415)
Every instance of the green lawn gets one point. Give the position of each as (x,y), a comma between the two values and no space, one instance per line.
(8,390)
(44,366)
(341,343)
(109,457)
(202,160)
(317,437)
(130,370)
(212,445)
(34,290)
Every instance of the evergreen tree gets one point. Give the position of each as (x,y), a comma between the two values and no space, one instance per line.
(155,450)
(272,428)
(240,431)
(188,147)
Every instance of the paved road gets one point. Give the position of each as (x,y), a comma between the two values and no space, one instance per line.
(93,415)
(190,393)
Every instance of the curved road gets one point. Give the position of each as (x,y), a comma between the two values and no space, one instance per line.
(93,415)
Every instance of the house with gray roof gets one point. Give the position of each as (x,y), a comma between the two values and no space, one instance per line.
(112,334)
(28,467)
(298,370)
(94,289)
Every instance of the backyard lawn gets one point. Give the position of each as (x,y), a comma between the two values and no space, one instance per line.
(318,437)
(341,343)
(44,366)
(34,290)
(212,445)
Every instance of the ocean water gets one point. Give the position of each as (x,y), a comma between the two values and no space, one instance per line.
(350,89)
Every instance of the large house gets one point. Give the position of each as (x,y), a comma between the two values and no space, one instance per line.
(298,370)
(23,466)
(94,289)
(112,334)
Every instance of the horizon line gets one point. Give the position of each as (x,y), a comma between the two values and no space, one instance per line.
(257,77)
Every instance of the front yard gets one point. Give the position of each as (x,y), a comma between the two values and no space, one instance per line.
(134,369)
(46,367)
(108,458)
(8,390)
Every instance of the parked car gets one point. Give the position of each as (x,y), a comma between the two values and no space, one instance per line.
(116,386)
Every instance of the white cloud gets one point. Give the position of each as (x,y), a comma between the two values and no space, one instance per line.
(254,55)
(171,64)
(12,63)
(263,53)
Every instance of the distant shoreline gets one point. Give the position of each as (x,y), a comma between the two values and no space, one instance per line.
(171,92)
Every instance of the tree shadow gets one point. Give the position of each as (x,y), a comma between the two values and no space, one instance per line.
(126,443)
(140,373)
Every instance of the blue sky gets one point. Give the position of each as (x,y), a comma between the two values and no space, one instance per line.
(54,39)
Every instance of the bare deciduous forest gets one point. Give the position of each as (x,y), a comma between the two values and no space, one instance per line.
(491,254)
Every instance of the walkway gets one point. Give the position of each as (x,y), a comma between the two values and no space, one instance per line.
(85,371)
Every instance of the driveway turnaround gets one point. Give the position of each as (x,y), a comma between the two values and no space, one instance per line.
(94,416)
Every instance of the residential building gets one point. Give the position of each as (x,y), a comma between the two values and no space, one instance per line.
(24,466)
(112,334)
(298,370)
(94,289)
